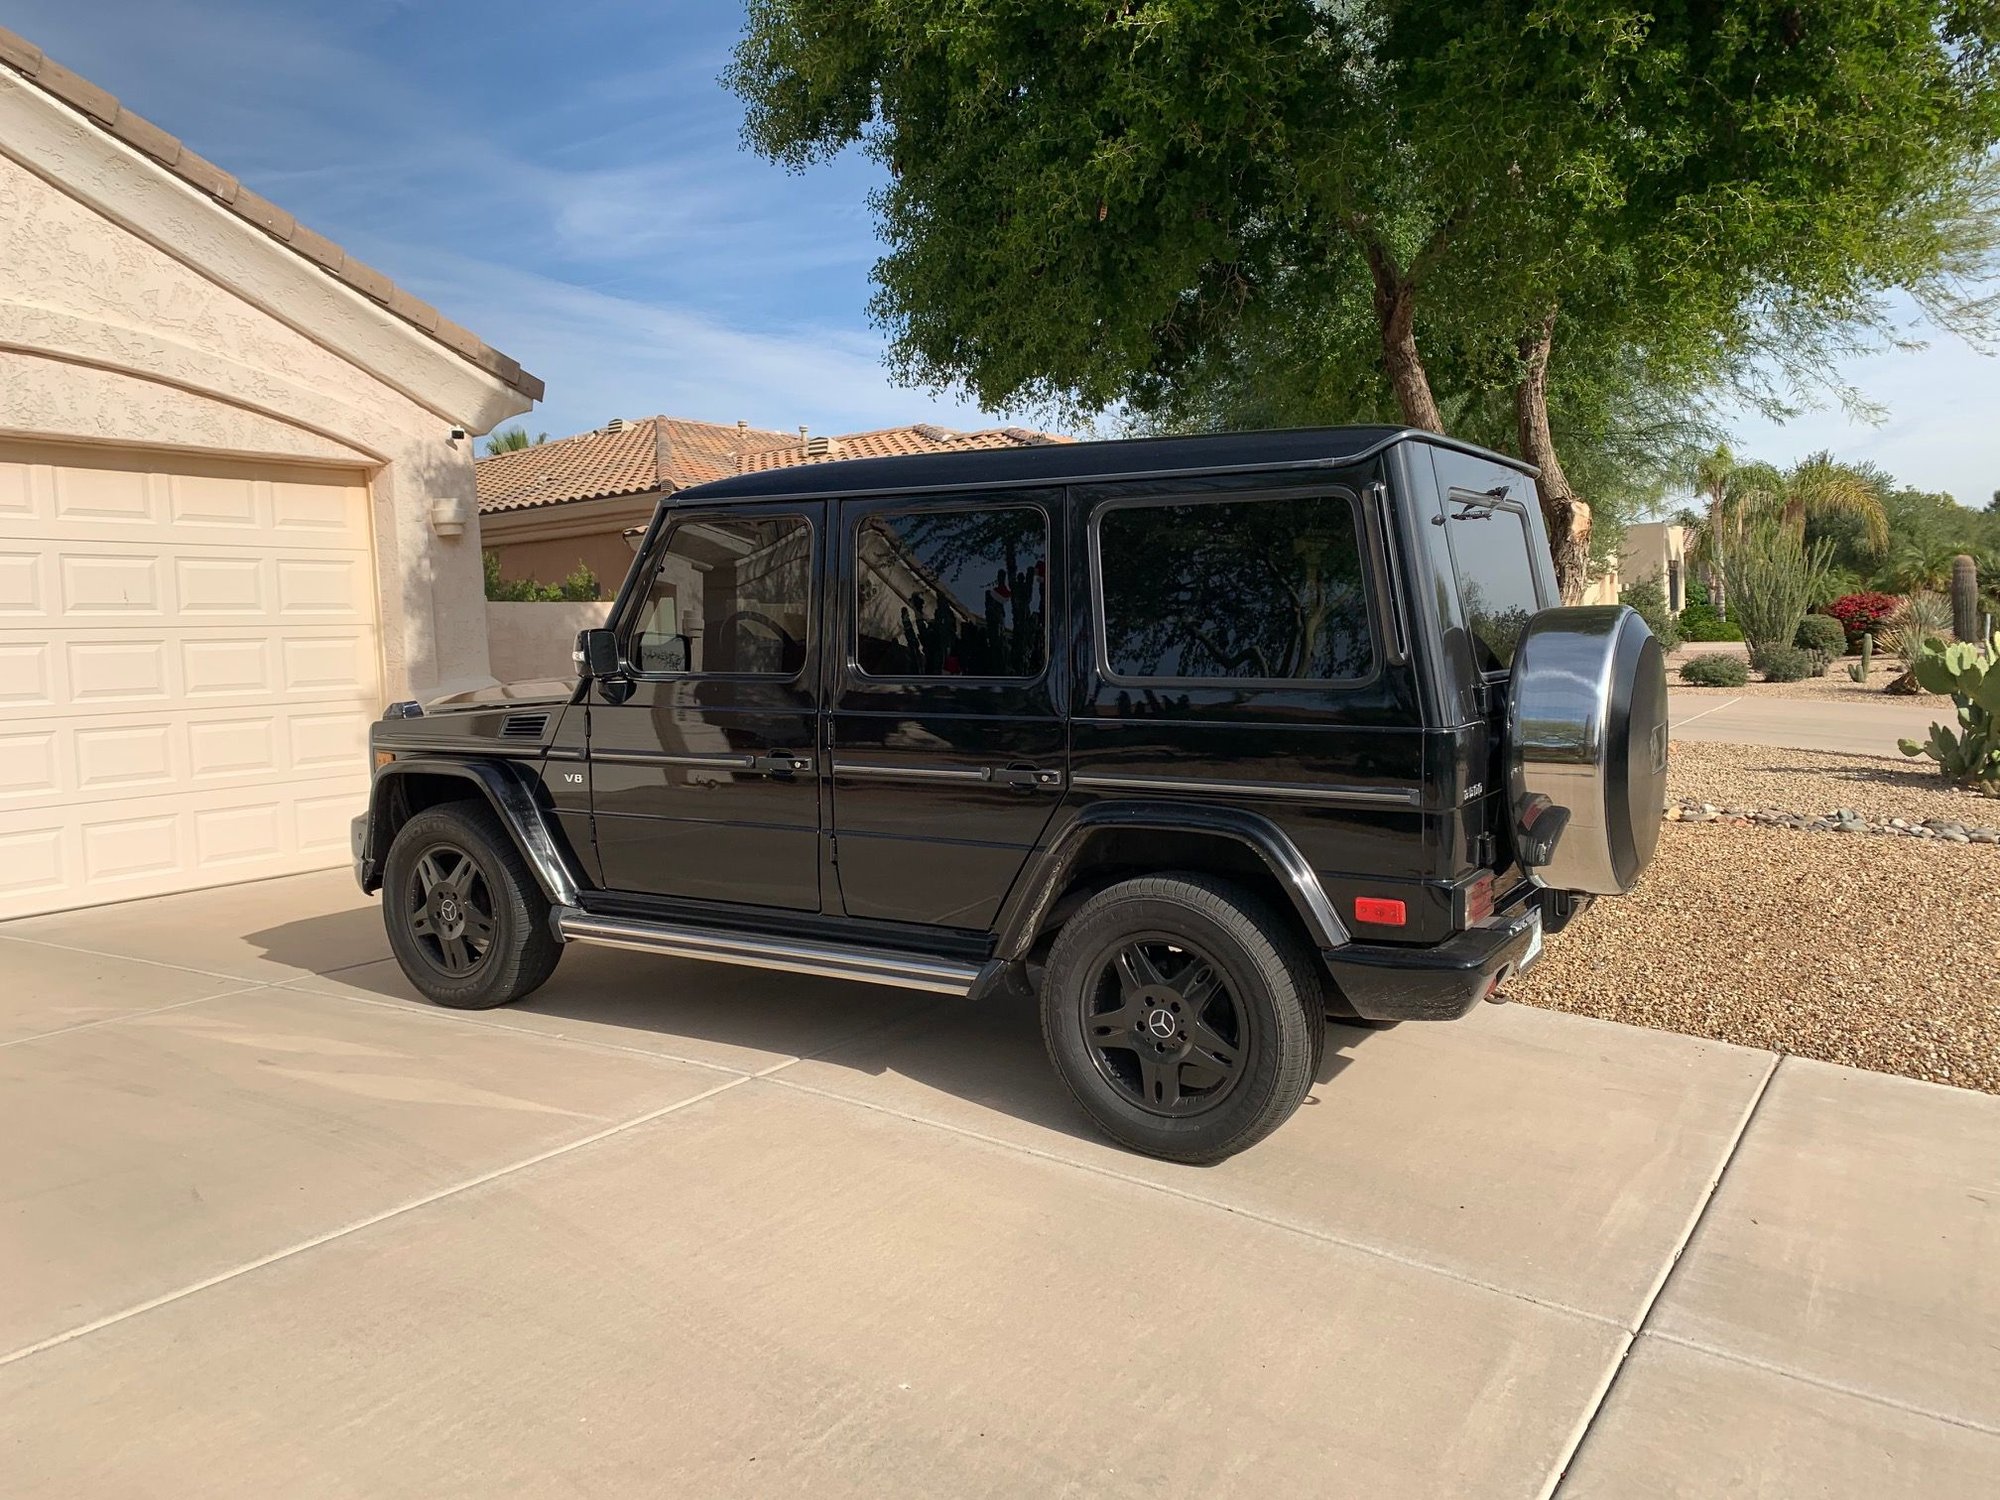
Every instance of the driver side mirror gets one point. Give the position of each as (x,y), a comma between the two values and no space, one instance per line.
(596,653)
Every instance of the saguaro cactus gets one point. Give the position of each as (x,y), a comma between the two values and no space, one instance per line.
(1964,598)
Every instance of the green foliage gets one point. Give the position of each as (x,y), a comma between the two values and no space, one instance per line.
(1648,598)
(1918,624)
(1701,622)
(512,440)
(1821,633)
(580,586)
(1970,676)
(1245,212)
(1788,663)
(1716,669)
(1773,577)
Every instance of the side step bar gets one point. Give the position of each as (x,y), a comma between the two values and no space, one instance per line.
(908,971)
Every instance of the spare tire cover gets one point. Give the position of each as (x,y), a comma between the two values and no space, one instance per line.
(1586,748)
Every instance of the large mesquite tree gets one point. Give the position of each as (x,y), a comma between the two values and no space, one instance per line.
(1092,201)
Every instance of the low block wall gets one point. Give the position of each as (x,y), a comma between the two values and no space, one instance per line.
(526,642)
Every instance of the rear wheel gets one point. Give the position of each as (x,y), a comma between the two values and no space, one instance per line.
(1184,1016)
(466,919)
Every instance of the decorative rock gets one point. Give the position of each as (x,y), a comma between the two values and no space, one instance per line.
(1840,820)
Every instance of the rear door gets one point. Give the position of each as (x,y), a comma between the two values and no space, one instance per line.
(946,731)
(703,759)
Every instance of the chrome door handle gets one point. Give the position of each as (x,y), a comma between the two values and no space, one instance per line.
(1028,777)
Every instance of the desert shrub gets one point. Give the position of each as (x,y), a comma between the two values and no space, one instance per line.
(1788,663)
(1715,669)
(1703,622)
(1821,633)
(580,586)
(1862,614)
(1970,676)
(1647,597)
(1773,576)
(1914,624)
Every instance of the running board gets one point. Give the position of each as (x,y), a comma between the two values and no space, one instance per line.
(942,976)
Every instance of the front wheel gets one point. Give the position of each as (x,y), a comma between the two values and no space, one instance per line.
(466,919)
(1184,1016)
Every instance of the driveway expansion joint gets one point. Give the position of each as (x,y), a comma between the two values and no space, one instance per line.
(130,1015)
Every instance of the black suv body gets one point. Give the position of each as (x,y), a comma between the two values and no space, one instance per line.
(1200,738)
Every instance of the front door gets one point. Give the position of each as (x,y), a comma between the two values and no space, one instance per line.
(946,733)
(704,758)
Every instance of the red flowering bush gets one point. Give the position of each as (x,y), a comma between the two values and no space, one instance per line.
(1862,614)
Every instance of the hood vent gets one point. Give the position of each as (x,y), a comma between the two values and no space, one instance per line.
(524,726)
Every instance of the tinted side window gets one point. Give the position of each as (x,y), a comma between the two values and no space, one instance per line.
(730,598)
(1496,576)
(1252,590)
(952,593)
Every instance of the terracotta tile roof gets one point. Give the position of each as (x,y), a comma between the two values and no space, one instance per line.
(105,112)
(669,453)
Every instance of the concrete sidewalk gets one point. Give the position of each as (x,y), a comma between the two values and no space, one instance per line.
(1805,723)
(274,1229)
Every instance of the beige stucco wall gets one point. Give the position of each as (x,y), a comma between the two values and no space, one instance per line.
(532,641)
(546,543)
(135,311)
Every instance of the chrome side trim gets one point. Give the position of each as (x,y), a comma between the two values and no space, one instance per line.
(1303,791)
(663,758)
(907,773)
(941,976)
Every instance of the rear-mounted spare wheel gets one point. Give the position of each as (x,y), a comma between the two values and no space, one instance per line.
(1587,748)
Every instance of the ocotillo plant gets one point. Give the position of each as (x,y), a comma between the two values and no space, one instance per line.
(1965,598)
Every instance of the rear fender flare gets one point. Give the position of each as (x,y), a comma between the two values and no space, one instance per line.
(511,790)
(1028,905)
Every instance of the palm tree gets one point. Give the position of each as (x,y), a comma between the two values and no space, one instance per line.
(512,440)
(1734,493)
(1817,486)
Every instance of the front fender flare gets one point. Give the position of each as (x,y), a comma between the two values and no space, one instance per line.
(510,789)
(1028,904)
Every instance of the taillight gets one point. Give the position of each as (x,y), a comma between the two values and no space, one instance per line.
(1380,910)
(1479,900)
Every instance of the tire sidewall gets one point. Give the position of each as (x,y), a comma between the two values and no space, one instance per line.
(1084,945)
(487,984)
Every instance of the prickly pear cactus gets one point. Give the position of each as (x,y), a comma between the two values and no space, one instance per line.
(1970,676)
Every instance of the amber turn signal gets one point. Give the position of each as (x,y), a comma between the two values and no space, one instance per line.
(383,757)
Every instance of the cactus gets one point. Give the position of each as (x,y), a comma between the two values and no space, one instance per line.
(1970,676)
(1965,598)
(1859,670)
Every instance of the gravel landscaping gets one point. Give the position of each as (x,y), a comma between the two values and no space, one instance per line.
(1836,685)
(1877,952)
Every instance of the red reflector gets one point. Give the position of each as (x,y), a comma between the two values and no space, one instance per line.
(1479,901)
(1379,910)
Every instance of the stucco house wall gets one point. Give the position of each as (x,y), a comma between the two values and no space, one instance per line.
(135,311)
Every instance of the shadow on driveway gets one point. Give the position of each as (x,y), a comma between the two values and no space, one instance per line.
(990,1053)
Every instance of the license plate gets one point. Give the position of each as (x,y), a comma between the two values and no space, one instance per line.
(1534,949)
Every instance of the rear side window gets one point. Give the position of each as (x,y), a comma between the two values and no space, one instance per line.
(953,593)
(1266,590)
(1491,554)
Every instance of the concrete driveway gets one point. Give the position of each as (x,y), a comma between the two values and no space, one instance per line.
(272,1229)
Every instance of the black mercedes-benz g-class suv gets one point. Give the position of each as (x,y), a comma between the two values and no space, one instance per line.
(1201,739)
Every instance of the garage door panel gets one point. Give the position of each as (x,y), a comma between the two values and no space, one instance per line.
(189,660)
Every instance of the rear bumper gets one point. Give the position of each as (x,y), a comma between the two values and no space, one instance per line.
(1385,983)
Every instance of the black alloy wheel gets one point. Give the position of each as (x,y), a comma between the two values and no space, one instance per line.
(449,907)
(1164,1029)
(467,921)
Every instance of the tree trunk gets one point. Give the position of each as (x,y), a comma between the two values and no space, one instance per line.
(1566,517)
(1395,317)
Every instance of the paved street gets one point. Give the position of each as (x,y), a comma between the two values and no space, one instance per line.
(1805,723)
(270,1228)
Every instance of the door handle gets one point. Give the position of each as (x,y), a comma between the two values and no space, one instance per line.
(783,763)
(1025,777)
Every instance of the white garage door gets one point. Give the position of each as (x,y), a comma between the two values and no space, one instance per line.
(188,664)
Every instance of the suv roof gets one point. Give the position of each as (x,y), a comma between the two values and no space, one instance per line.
(1056,463)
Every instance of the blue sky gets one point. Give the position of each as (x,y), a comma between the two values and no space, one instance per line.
(566,179)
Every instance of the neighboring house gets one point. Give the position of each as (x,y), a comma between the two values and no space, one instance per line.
(234,517)
(544,509)
(1649,548)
